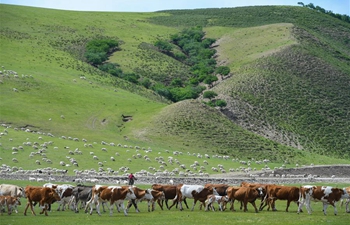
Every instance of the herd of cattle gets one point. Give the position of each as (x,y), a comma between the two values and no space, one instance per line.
(92,197)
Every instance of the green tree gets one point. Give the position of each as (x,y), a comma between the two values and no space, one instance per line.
(209,94)
(111,68)
(223,70)
(210,79)
(163,46)
(146,82)
(221,103)
(177,82)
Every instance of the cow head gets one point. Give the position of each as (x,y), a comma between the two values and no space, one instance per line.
(21,192)
(130,194)
(261,191)
(345,194)
(17,201)
(54,195)
(214,191)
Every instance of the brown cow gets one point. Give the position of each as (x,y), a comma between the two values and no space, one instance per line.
(275,192)
(43,195)
(255,185)
(221,189)
(157,196)
(328,195)
(8,202)
(230,194)
(247,194)
(112,194)
(169,193)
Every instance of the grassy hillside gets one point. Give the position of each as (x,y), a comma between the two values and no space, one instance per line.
(291,69)
(58,93)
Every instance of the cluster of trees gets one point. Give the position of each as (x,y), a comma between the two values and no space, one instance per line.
(344,17)
(189,47)
(97,52)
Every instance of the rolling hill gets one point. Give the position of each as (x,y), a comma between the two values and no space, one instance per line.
(287,95)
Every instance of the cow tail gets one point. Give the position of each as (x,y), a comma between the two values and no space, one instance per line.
(175,198)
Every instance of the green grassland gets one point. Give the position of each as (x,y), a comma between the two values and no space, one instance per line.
(290,75)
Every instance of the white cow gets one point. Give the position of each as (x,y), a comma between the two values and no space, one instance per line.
(13,191)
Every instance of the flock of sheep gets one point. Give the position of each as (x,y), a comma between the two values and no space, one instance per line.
(160,162)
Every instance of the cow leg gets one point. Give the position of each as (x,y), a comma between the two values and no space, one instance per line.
(347,205)
(335,208)
(103,206)
(253,203)
(154,205)
(325,205)
(9,209)
(44,208)
(134,202)
(288,203)
(128,205)
(160,203)
(273,204)
(194,203)
(263,203)
(149,206)
(166,203)
(25,210)
(185,202)
(89,203)
(31,208)
(111,207)
(208,202)
(245,203)
(98,207)
(117,204)
(121,205)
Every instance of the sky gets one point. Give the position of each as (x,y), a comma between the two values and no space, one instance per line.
(337,6)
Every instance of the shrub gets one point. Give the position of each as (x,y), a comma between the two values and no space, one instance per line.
(209,94)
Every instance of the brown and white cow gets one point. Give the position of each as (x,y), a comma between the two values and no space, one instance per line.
(140,194)
(149,195)
(196,192)
(248,194)
(326,194)
(113,195)
(157,196)
(221,200)
(42,195)
(64,191)
(9,202)
(278,192)
(169,193)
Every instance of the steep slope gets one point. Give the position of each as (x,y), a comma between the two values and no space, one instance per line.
(291,84)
